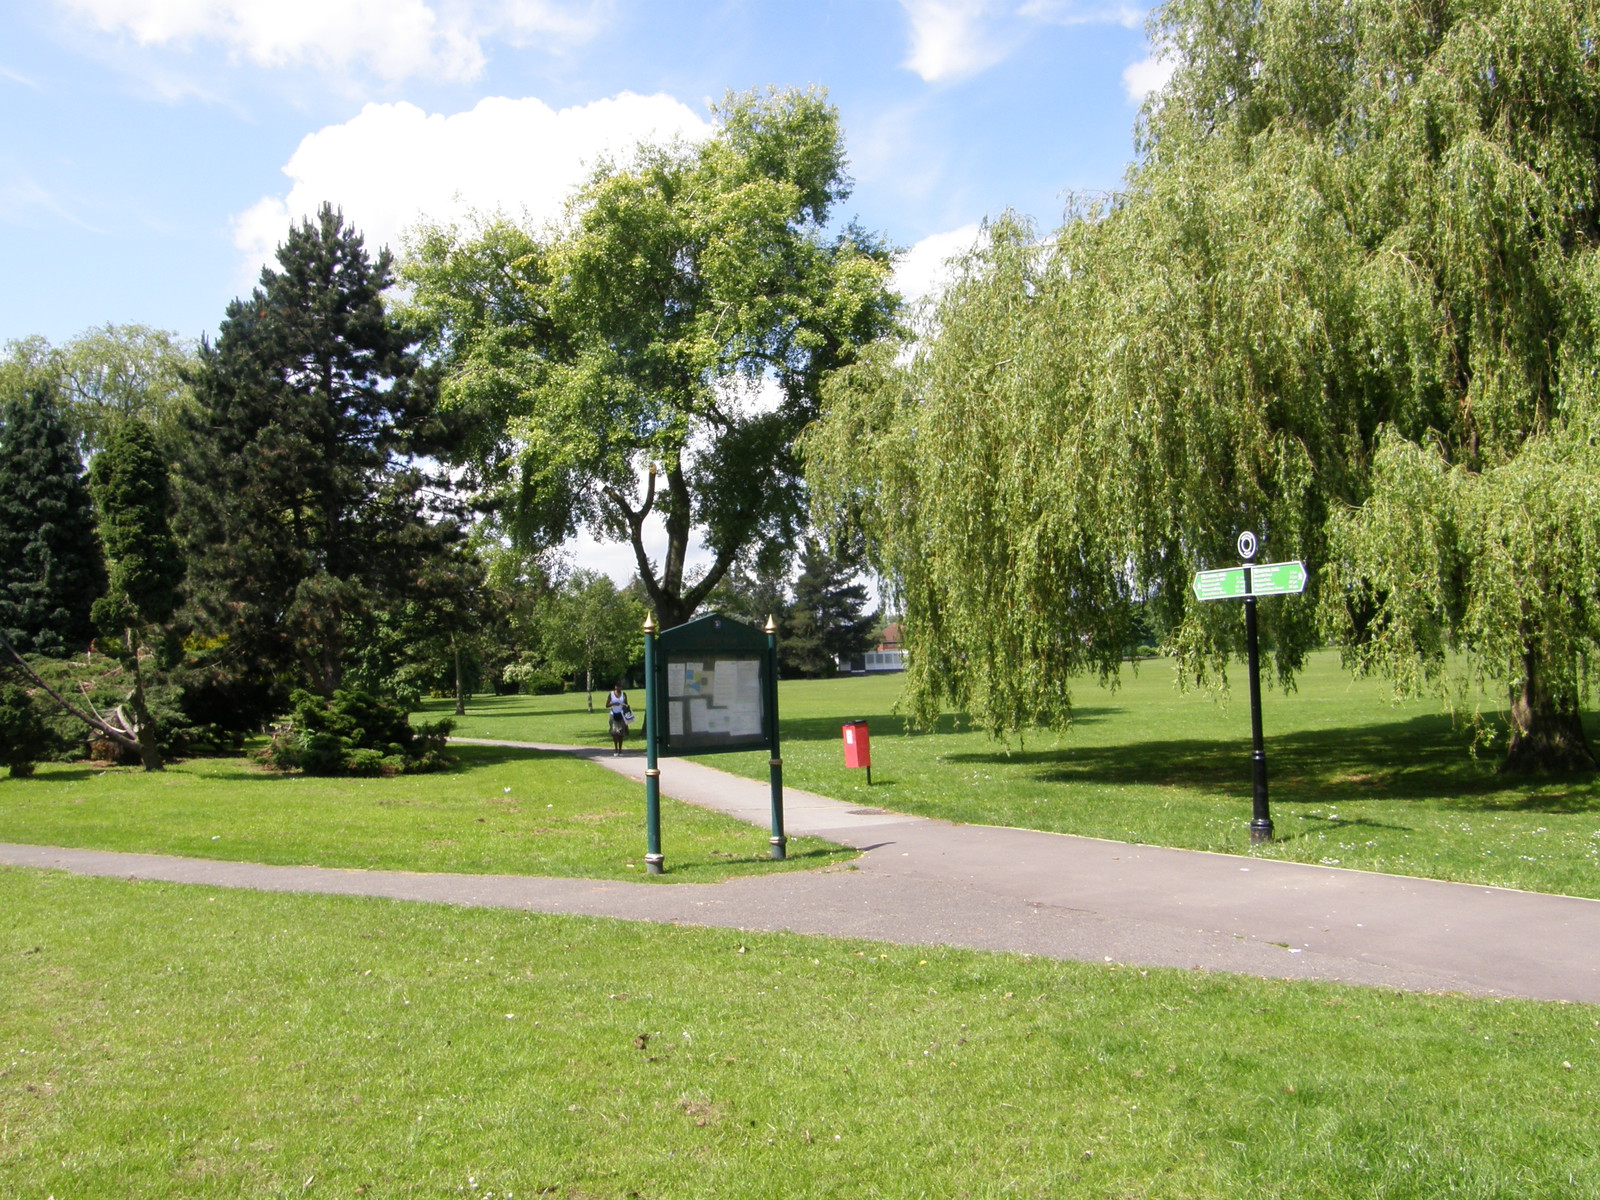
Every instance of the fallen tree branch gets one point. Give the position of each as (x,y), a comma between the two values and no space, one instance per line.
(19,665)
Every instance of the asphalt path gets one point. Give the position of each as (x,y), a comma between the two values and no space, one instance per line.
(928,882)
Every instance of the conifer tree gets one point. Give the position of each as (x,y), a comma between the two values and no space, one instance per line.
(129,483)
(50,567)
(300,508)
(826,621)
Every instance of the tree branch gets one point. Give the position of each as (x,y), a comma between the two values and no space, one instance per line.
(21,667)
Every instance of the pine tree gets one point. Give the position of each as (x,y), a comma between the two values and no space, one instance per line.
(50,567)
(826,621)
(300,510)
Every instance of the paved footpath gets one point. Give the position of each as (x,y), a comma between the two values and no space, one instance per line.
(929,882)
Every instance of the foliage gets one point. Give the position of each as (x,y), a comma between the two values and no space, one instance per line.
(533,679)
(432,638)
(116,372)
(658,352)
(50,567)
(128,481)
(826,622)
(98,685)
(353,733)
(1358,243)
(752,595)
(24,737)
(111,373)
(303,511)
(590,628)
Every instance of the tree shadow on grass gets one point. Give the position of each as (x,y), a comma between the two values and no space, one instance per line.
(248,770)
(1423,758)
(888,724)
(62,775)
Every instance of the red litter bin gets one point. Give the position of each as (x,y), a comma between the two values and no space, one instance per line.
(858,747)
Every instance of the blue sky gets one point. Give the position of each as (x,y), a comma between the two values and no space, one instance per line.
(154,151)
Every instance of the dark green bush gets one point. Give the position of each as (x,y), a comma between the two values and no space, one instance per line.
(354,734)
(24,737)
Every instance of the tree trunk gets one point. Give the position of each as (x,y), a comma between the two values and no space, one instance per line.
(461,701)
(144,730)
(588,684)
(1546,729)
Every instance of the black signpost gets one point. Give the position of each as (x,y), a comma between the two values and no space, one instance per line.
(711,687)
(1249,581)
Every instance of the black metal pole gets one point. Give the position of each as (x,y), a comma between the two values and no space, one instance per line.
(1260,815)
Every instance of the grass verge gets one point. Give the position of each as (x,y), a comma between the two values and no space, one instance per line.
(1355,780)
(168,1041)
(513,812)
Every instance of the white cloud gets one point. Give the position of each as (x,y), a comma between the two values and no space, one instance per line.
(394,39)
(23,199)
(952,39)
(922,272)
(1069,13)
(1145,76)
(956,39)
(392,165)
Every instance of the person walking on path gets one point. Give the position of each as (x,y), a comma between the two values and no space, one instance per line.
(617,706)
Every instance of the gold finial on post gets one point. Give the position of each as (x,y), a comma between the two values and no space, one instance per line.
(772,625)
(649,622)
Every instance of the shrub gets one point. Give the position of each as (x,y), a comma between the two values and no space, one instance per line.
(354,734)
(534,680)
(24,738)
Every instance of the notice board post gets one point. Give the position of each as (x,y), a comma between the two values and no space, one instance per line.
(654,863)
(711,687)
(775,764)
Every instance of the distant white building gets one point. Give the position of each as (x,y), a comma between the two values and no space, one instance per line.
(886,656)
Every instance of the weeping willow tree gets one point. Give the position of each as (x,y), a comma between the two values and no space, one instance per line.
(1348,300)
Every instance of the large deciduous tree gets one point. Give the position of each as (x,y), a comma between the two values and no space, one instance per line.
(105,374)
(1349,300)
(114,372)
(301,507)
(659,350)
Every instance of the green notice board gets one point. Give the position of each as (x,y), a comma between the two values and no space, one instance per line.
(713,689)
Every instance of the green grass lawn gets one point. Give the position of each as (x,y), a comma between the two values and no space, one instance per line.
(496,812)
(167,1041)
(1355,780)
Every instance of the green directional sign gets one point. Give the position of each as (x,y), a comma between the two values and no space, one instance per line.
(1226,584)
(1266,579)
(1278,579)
